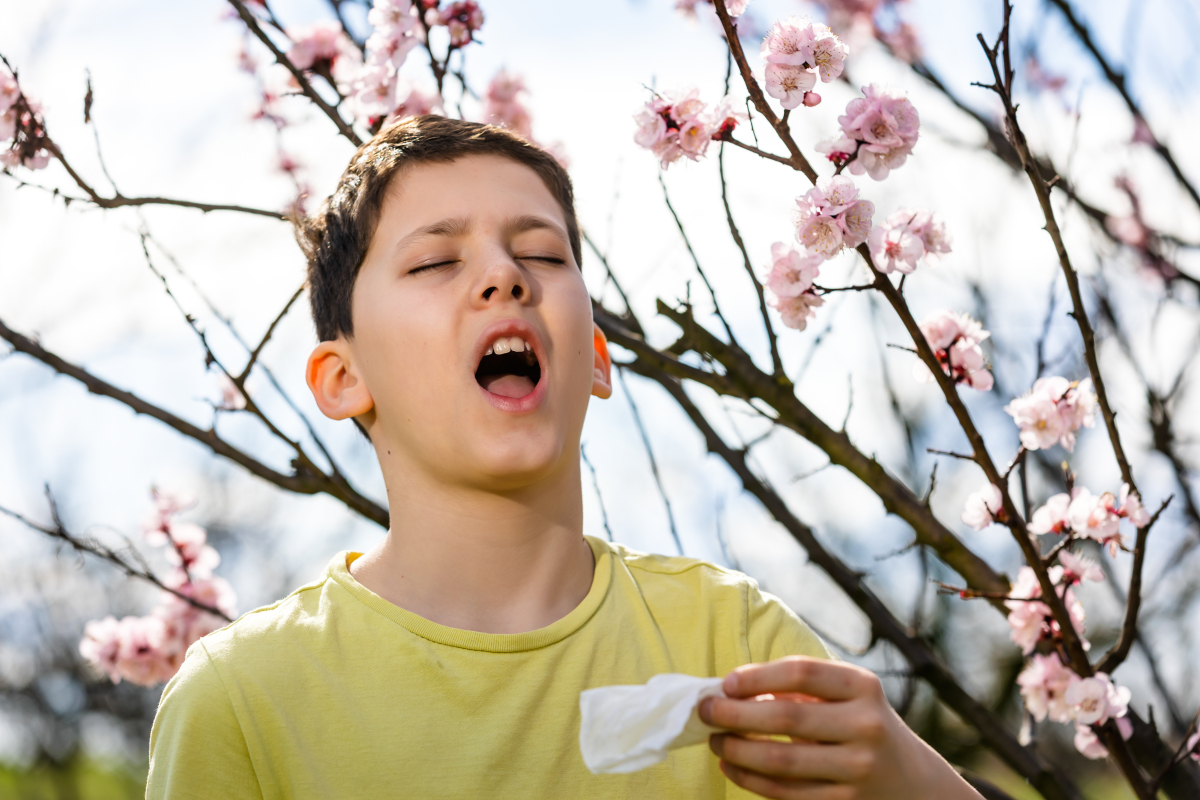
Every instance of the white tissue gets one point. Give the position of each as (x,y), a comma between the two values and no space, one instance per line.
(627,728)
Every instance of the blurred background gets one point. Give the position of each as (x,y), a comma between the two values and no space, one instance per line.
(173,115)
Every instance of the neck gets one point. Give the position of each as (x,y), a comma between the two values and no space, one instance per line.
(469,558)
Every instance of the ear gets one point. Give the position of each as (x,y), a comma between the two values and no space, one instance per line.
(336,386)
(602,374)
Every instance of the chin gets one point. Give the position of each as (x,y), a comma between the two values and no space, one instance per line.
(515,464)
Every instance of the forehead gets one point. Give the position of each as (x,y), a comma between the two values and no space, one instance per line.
(479,187)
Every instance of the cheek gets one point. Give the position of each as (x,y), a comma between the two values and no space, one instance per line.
(572,310)
(408,342)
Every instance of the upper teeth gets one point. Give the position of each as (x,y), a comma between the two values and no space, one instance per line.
(505,343)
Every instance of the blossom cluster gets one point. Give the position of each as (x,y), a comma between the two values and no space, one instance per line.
(149,650)
(1050,689)
(955,339)
(679,124)
(462,19)
(797,51)
(1085,515)
(879,131)
(791,280)
(504,106)
(15,119)
(1030,619)
(1053,691)
(1052,411)
(377,91)
(324,48)
(905,238)
(831,216)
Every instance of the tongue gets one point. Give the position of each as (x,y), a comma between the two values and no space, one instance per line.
(507,385)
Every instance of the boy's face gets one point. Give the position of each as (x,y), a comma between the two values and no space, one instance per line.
(469,259)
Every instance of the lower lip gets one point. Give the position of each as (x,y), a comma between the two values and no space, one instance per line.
(518,405)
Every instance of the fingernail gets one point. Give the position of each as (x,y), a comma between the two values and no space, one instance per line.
(731,684)
(716,743)
(705,710)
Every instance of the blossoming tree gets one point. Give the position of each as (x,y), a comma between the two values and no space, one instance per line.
(356,83)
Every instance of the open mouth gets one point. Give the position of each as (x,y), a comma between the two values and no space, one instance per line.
(509,368)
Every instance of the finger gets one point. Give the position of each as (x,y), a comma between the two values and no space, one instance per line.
(818,722)
(792,760)
(828,680)
(781,788)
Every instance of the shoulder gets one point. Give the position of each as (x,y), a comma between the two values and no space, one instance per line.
(731,601)
(270,633)
(680,575)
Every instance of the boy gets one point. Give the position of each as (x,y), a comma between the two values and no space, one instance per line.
(455,328)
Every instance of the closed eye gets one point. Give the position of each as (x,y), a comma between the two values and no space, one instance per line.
(547,259)
(436,265)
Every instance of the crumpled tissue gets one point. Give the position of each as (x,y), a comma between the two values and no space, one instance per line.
(628,728)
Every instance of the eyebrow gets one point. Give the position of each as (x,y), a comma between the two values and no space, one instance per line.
(461,226)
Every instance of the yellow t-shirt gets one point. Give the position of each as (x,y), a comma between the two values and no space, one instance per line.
(334,692)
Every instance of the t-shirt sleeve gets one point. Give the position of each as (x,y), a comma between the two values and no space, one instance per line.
(773,630)
(197,749)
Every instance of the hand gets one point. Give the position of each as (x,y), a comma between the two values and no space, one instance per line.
(847,742)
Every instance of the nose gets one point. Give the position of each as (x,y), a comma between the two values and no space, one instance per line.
(502,280)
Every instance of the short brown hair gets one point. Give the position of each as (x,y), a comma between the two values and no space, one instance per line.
(336,237)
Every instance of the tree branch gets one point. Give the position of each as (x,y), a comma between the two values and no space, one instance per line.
(103,551)
(923,661)
(305,84)
(303,481)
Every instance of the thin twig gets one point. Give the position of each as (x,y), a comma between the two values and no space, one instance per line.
(637,419)
(596,486)
(695,259)
(305,480)
(776,361)
(103,551)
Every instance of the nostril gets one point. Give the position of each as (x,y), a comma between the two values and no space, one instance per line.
(516,292)
(487,293)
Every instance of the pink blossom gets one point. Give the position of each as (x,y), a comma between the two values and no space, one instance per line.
(325,44)
(791,281)
(885,126)
(1131,507)
(1096,700)
(1043,684)
(1030,619)
(1088,743)
(797,310)
(831,216)
(792,271)
(462,19)
(101,641)
(1193,746)
(984,507)
(789,84)
(680,124)
(931,230)
(954,339)
(1077,569)
(1052,517)
(797,51)
(376,90)
(232,398)
(9,92)
(839,151)
(504,106)
(894,246)
(1095,517)
(1052,411)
